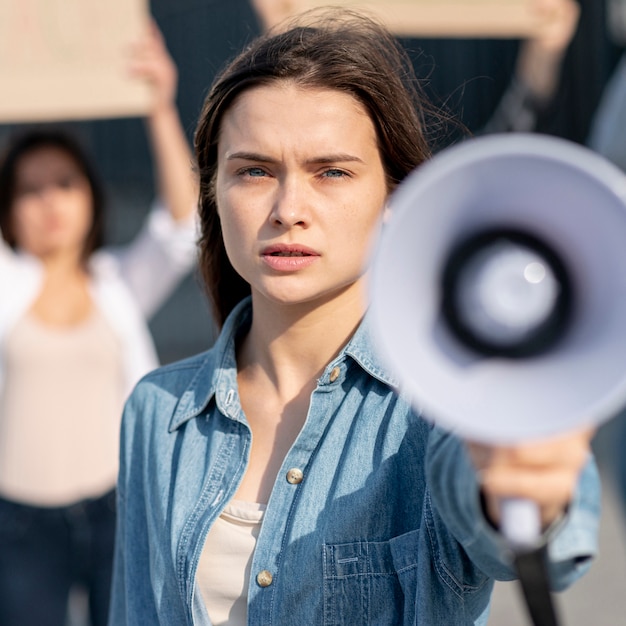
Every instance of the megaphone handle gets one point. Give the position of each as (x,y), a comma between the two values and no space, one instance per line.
(520,522)
(533,577)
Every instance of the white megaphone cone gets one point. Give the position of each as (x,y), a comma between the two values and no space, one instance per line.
(498,293)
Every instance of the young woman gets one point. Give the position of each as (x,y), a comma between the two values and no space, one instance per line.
(73,342)
(279,478)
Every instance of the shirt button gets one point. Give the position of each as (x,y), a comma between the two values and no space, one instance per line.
(264,578)
(295,476)
(334,374)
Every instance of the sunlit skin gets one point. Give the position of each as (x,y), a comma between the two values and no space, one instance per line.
(545,472)
(299,169)
(52,209)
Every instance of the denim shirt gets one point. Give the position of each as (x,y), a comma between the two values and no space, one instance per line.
(380,523)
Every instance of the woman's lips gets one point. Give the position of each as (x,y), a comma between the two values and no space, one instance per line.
(289,257)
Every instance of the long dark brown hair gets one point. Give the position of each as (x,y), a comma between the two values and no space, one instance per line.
(29,141)
(331,49)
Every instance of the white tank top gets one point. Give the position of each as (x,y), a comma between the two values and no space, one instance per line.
(60,411)
(224,568)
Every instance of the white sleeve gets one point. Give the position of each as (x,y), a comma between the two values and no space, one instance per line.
(158,258)
(7,255)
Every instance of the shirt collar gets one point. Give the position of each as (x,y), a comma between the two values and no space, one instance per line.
(217,373)
(361,348)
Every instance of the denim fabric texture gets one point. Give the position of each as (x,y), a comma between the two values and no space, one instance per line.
(45,551)
(385,528)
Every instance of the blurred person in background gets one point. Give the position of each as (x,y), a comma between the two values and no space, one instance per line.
(608,129)
(608,137)
(537,73)
(537,70)
(73,341)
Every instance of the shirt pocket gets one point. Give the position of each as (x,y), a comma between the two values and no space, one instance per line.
(364,581)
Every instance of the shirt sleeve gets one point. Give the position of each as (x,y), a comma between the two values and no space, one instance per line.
(132,596)
(455,492)
(153,264)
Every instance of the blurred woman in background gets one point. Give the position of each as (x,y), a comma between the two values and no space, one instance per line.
(73,341)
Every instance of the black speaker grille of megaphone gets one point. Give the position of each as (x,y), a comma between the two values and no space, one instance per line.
(521,333)
(553,191)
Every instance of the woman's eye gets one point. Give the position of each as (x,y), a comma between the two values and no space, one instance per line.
(334,173)
(254,172)
(25,191)
(67,182)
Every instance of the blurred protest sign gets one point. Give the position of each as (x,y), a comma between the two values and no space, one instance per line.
(436,18)
(67,59)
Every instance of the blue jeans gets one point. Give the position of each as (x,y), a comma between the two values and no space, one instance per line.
(45,551)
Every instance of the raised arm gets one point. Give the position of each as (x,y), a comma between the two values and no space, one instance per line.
(176,179)
(540,58)
(271,12)
(538,68)
(164,251)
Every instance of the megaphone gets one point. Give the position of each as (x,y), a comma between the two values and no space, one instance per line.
(498,288)
(569,205)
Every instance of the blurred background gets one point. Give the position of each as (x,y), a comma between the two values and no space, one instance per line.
(467,76)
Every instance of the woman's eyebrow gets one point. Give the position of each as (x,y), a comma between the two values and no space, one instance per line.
(341,157)
(250,156)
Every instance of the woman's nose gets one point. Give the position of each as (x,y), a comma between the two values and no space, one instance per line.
(290,207)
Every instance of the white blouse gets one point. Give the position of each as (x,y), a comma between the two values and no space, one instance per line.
(64,385)
(128,284)
(224,569)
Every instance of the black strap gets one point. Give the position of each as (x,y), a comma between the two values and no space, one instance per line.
(533,577)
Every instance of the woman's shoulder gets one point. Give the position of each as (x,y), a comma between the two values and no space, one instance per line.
(180,388)
(176,377)
(184,388)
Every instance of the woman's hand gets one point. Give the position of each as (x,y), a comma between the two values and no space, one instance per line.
(541,56)
(545,472)
(557,21)
(151,61)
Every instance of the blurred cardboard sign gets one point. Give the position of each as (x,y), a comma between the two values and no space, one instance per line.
(443,18)
(67,59)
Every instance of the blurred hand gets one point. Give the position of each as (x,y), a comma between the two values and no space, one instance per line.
(272,12)
(545,472)
(151,61)
(541,56)
(557,20)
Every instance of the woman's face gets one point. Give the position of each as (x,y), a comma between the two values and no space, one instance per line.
(300,191)
(52,206)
